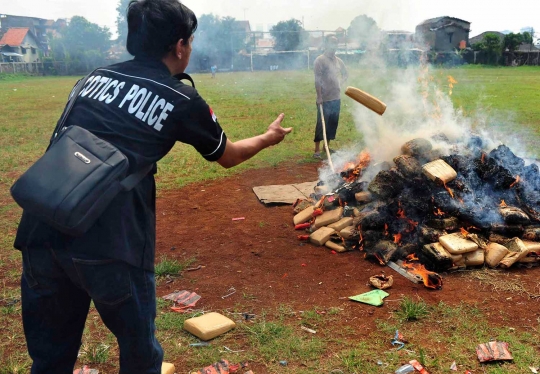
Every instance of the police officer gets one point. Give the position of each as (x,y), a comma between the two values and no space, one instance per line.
(142,109)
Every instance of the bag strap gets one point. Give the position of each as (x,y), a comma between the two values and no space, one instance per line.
(73,97)
(182,76)
(133,179)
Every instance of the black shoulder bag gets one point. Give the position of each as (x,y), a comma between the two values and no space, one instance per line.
(71,185)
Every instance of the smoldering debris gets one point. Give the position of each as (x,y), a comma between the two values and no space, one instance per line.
(442,212)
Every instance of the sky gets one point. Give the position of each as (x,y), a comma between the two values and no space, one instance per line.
(484,15)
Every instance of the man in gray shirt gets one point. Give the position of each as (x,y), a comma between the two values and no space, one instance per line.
(330,74)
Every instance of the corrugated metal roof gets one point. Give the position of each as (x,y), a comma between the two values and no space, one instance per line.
(14,36)
(437,19)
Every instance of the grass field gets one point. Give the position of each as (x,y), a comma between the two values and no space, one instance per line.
(245,103)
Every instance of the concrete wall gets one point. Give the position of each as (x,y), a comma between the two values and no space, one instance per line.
(444,34)
(29,49)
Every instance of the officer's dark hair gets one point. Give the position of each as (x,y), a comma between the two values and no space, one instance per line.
(155,26)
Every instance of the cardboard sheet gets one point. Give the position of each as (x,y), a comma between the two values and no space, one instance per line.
(284,194)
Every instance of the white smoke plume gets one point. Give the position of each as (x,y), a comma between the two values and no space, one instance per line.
(417,107)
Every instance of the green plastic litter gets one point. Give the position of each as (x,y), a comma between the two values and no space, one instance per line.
(374,297)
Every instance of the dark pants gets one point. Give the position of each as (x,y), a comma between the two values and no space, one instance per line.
(56,289)
(331,118)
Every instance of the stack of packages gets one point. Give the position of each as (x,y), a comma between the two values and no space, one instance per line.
(463,249)
(329,223)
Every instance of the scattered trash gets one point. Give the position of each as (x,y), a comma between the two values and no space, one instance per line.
(374,297)
(227,349)
(381,281)
(333,252)
(220,367)
(209,325)
(199,344)
(408,368)
(533,369)
(418,367)
(85,370)
(186,298)
(283,363)
(248,316)
(303,237)
(493,351)
(308,330)
(398,340)
(239,219)
(405,273)
(453,366)
(195,268)
(303,265)
(231,291)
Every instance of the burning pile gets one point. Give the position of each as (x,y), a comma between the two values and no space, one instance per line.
(445,212)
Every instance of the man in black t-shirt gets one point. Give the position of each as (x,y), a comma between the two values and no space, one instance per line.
(142,109)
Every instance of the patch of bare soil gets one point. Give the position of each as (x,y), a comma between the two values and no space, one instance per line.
(263,260)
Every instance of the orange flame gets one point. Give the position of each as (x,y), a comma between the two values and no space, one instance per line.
(503,204)
(320,202)
(430,279)
(449,190)
(464,232)
(439,212)
(397,238)
(412,257)
(348,166)
(515,182)
(362,162)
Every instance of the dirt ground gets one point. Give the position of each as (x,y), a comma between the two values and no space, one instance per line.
(263,260)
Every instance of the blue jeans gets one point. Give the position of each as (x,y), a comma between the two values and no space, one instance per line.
(56,289)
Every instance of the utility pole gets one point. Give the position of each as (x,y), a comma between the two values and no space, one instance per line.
(245,13)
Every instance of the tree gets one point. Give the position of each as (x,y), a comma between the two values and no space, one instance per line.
(217,41)
(492,47)
(121,21)
(364,31)
(527,37)
(511,42)
(83,44)
(288,35)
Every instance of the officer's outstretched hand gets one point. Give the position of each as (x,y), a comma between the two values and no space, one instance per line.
(275,132)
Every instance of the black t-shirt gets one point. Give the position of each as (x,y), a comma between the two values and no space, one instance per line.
(142,110)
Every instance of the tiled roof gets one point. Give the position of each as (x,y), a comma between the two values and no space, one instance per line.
(14,36)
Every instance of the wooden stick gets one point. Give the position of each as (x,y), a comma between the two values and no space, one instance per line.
(325,141)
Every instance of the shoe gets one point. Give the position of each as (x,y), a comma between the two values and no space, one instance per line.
(317,155)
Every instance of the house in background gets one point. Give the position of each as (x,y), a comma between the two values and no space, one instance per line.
(398,39)
(42,29)
(19,44)
(479,38)
(443,34)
